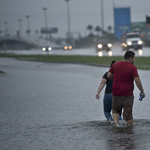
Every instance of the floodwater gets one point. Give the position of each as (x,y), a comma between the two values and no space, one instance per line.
(115,51)
(49,106)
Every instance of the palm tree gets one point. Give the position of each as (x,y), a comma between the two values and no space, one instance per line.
(109,28)
(97,29)
(90,27)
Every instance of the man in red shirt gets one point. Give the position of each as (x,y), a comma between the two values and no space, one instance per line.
(124,73)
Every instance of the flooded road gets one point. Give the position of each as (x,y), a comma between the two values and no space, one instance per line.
(115,51)
(48,106)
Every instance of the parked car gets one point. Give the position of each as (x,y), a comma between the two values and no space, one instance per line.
(46,48)
(132,40)
(103,45)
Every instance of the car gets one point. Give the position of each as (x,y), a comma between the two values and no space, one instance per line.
(46,48)
(132,40)
(67,47)
(103,45)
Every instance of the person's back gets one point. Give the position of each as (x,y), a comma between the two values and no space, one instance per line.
(124,73)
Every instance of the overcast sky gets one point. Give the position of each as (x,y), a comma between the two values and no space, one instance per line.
(82,13)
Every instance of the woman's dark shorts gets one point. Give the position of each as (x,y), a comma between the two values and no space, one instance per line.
(125,102)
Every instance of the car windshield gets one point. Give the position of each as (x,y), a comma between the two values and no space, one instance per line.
(103,41)
(133,36)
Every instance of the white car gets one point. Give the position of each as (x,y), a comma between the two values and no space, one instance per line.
(132,40)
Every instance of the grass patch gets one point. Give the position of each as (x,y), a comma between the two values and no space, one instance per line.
(142,63)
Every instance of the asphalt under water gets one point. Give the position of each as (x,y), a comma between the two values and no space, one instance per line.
(47,106)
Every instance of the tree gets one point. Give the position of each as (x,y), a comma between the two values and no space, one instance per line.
(109,29)
(90,27)
(97,29)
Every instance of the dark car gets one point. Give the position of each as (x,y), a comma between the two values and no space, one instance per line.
(67,47)
(46,48)
(103,45)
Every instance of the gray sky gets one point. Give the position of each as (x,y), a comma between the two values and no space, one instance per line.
(82,13)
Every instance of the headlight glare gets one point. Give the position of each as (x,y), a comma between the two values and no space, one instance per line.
(129,43)
(109,45)
(65,47)
(99,45)
(70,47)
(140,42)
(43,49)
(49,48)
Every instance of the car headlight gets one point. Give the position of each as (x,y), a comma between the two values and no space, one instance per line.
(109,45)
(129,43)
(140,42)
(65,47)
(99,45)
(70,47)
(49,48)
(43,49)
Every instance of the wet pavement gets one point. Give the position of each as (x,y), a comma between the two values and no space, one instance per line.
(91,51)
(48,106)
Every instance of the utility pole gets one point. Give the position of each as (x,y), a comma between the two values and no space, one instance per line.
(19,20)
(6,30)
(102,16)
(69,32)
(45,10)
(28,24)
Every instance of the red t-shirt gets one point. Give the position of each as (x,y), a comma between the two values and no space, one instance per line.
(124,74)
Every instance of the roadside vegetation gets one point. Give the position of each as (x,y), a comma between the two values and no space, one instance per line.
(142,63)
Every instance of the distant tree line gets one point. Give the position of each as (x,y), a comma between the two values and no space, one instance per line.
(91,39)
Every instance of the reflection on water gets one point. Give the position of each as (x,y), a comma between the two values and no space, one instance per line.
(103,134)
(100,53)
(91,135)
(140,51)
(110,53)
(46,53)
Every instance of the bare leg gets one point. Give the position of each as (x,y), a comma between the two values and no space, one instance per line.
(130,122)
(116,118)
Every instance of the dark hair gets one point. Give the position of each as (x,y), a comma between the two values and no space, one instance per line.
(112,62)
(129,54)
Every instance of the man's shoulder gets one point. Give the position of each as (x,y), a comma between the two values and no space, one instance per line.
(118,63)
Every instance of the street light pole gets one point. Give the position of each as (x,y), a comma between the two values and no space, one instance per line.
(45,10)
(28,24)
(102,15)
(5,27)
(114,14)
(19,20)
(68,12)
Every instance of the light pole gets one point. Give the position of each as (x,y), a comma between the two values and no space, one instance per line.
(5,27)
(45,10)
(0,31)
(113,3)
(28,25)
(102,16)
(69,32)
(19,20)
(114,14)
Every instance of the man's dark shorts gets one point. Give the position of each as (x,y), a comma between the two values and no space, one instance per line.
(125,102)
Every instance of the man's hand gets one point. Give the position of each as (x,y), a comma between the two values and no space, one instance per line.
(143,94)
(139,85)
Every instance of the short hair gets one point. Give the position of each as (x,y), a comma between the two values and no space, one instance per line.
(112,63)
(129,54)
